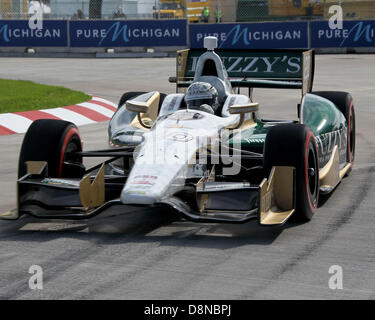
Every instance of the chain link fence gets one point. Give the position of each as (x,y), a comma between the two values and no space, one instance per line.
(280,10)
(78,9)
(194,10)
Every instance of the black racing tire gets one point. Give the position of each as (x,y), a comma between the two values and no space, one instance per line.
(294,145)
(344,102)
(52,141)
(132,94)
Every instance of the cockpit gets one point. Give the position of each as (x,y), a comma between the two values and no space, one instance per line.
(210,69)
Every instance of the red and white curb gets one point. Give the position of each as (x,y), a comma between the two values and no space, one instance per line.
(95,110)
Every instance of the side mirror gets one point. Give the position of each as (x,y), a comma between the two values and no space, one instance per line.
(148,108)
(137,106)
(244,108)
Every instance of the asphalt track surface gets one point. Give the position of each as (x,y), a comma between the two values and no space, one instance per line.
(148,254)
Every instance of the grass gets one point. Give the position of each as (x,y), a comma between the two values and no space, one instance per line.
(20,95)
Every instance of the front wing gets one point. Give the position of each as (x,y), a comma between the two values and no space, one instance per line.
(271,203)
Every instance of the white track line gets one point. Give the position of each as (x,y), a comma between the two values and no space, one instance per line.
(69,115)
(15,122)
(95,107)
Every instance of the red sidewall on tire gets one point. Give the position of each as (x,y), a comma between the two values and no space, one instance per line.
(72,131)
(47,140)
(294,145)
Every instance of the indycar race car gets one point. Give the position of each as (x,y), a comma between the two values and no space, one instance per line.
(204,151)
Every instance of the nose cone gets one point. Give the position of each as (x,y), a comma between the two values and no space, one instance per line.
(148,184)
(137,197)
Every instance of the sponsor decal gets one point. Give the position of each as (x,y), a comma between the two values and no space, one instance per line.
(143,181)
(252,35)
(56,181)
(256,138)
(352,34)
(327,141)
(17,33)
(254,64)
(228,186)
(127,33)
(136,192)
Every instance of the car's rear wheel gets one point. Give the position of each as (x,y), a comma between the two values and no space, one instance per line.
(55,142)
(294,145)
(344,102)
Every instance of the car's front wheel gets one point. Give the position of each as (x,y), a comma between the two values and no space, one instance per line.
(55,142)
(294,145)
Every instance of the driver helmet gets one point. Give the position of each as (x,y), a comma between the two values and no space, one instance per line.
(202,96)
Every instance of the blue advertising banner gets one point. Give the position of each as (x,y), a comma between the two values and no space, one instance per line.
(17,33)
(133,33)
(353,34)
(267,35)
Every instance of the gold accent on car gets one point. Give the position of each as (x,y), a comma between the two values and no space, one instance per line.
(200,185)
(242,109)
(181,61)
(92,194)
(329,175)
(10,215)
(147,111)
(35,167)
(276,203)
(307,71)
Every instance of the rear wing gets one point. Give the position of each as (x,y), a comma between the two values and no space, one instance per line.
(284,69)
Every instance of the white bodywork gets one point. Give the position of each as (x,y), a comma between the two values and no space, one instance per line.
(168,153)
(166,157)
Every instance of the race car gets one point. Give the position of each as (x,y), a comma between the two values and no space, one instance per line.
(204,152)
